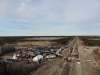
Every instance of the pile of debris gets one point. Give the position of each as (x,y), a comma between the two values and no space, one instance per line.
(33,54)
(37,54)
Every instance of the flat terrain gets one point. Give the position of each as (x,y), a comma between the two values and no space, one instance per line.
(78,57)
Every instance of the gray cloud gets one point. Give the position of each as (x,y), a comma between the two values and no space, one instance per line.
(81,11)
(3,7)
(45,9)
(58,16)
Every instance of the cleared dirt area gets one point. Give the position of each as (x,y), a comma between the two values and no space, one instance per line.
(52,67)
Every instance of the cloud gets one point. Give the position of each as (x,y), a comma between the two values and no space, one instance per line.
(81,11)
(24,11)
(3,7)
(70,11)
(57,17)
(42,9)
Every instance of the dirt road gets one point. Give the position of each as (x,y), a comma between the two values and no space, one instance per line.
(88,62)
(53,67)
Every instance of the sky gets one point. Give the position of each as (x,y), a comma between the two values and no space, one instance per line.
(49,17)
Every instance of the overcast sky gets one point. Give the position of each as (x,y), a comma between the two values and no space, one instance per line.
(49,17)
